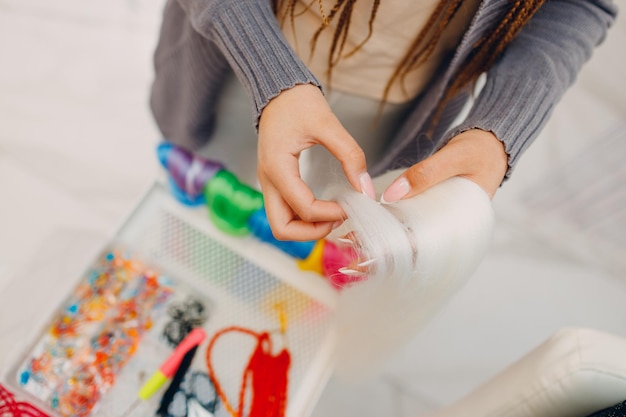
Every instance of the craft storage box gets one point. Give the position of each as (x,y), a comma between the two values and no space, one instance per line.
(242,281)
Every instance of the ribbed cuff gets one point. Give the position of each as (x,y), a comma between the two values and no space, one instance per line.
(249,36)
(508,107)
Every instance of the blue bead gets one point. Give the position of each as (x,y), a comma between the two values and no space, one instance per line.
(73,308)
(24,377)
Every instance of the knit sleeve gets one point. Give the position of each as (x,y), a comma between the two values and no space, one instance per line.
(249,36)
(535,70)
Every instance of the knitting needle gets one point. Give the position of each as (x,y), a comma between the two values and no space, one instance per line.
(167,368)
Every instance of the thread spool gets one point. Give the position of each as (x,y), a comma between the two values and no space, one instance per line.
(334,257)
(313,262)
(188,173)
(425,248)
(260,227)
(231,203)
(237,209)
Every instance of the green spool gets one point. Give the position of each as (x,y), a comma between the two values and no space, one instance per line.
(231,203)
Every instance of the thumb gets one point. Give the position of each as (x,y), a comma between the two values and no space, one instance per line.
(419,178)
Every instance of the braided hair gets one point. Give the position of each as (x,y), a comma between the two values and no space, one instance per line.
(484,53)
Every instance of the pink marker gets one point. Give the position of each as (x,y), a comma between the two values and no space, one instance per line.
(169,367)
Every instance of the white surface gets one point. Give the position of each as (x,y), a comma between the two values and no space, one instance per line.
(77,150)
(575,373)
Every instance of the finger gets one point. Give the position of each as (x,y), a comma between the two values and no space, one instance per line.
(352,158)
(284,177)
(476,155)
(284,222)
(440,166)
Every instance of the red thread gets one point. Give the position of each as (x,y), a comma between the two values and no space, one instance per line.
(266,375)
(9,407)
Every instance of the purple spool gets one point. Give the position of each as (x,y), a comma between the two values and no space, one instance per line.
(189,172)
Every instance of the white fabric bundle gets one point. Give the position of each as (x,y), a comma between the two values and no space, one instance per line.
(424,249)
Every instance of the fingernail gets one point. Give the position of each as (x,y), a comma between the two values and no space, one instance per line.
(337,224)
(350,272)
(346,241)
(395,191)
(366,263)
(367,185)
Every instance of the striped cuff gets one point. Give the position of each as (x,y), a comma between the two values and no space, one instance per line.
(508,107)
(252,41)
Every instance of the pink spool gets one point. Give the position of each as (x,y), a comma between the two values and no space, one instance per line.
(338,256)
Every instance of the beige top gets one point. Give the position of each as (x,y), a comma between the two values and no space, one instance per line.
(397,24)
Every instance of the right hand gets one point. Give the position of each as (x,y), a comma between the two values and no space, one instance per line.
(295,120)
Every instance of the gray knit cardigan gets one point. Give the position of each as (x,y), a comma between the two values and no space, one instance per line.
(203,41)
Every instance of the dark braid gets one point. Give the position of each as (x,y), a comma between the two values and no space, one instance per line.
(341,33)
(370,28)
(484,54)
(291,13)
(344,9)
(425,42)
(488,49)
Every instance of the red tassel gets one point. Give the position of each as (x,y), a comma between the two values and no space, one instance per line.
(9,407)
(266,375)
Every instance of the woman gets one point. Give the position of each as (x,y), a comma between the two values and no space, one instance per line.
(530,51)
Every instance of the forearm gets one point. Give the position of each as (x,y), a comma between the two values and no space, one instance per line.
(536,69)
(248,35)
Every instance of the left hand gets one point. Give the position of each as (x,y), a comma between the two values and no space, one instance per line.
(475,154)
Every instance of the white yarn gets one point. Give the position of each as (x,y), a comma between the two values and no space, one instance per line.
(425,248)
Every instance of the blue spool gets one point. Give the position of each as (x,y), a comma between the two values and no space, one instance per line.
(260,227)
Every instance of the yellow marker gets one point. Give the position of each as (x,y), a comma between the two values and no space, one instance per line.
(168,368)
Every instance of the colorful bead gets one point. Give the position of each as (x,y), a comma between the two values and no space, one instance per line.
(94,335)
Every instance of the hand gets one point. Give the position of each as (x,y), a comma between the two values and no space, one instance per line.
(475,154)
(295,120)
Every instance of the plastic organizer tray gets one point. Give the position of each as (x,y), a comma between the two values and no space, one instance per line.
(240,282)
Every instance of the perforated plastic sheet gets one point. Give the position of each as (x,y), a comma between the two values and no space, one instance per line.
(244,282)
(248,282)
